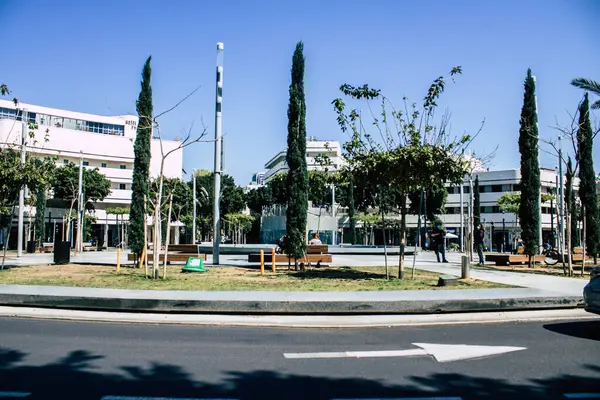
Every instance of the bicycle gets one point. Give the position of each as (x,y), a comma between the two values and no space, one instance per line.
(551,254)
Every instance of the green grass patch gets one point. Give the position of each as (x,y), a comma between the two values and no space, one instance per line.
(222,278)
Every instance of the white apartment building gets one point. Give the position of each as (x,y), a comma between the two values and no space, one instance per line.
(502,228)
(257,180)
(103,142)
(316,150)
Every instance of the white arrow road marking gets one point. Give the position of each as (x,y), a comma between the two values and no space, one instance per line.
(582,395)
(14,394)
(441,352)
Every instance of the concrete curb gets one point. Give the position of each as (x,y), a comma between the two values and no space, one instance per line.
(298,321)
(285,303)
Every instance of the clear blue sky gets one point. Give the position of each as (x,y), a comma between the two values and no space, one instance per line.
(87,56)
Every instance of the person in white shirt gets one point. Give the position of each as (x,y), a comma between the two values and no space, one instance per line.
(315,240)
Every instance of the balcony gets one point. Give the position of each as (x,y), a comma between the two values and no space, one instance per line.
(117,174)
(118,196)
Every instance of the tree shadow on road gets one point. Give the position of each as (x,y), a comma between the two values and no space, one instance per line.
(580,329)
(75,377)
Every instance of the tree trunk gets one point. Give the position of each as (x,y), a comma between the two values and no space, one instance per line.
(569,244)
(168,235)
(157,245)
(402,235)
(12,210)
(69,220)
(584,240)
(145,251)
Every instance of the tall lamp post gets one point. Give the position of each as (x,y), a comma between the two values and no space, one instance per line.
(218,166)
(503,233)
(492,241)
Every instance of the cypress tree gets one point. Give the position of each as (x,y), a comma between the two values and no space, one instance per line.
(476,202)
(571,205)
(529,209)
(587,179)
(40,221)
(141,163)
(297,177)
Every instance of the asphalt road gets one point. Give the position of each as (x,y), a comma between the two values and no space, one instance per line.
(76,360)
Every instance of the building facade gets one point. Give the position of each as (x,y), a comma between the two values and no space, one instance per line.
(102,142)
(320,154)
(502,228)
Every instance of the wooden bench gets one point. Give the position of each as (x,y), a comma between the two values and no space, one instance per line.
(173,257)
(184,248)
(316,254)
(510,259)
(283,258)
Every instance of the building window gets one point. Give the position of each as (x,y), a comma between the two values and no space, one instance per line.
(65,162)
(122,186)
(86,163)
(496,188)
(122,166)
(7,113)
(103,165)
(466,189)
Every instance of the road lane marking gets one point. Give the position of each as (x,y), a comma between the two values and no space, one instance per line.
(582,395)
(157,398)
(14,394)
(441,352)
(409,398)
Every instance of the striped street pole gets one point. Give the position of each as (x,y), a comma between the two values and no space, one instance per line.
(217,189)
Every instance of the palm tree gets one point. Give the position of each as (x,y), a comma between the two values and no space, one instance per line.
(589,85)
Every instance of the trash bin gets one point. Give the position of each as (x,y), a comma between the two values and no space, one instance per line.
(62,252)
(31,246)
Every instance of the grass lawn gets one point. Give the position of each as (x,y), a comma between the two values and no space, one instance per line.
(224,278)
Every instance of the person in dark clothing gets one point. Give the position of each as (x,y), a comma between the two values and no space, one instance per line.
(439,241)
(479,236)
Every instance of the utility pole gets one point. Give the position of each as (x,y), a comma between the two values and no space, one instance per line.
(470,223)
(334,235)
(218,123)
(78,243)
(22,191)
(462,219)
(194,206)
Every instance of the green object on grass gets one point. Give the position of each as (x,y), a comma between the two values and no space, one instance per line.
(194,264)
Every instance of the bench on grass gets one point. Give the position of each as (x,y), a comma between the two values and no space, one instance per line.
(172,257)
(316,254)
(512,259)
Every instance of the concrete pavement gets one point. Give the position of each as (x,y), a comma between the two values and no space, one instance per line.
(301,321)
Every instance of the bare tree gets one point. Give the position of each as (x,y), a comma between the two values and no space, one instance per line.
(187,141)
(569,133)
